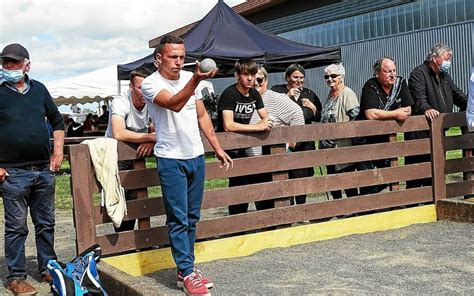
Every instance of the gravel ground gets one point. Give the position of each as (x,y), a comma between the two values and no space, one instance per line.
(434,258)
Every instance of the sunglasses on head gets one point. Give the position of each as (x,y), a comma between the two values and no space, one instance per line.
(259,80)
(332,76)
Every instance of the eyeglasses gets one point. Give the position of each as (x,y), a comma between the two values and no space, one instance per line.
(333,76)
(260,80)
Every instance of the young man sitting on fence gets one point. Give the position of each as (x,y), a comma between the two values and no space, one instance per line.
(178,115)
(130,122)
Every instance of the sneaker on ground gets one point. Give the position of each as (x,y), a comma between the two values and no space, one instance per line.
(206,281)
(194,286)
(21,288)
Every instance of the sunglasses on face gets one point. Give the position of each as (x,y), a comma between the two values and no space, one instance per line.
(259,80)
(333,76)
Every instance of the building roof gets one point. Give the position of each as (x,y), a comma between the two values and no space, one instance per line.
(245,8)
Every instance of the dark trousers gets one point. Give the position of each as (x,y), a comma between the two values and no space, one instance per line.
(247,180)
(370,165)
(337,194)
(130,194)
(419,182)
(32,187)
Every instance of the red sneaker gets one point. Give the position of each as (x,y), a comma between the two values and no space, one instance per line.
(206,281)
(194,286)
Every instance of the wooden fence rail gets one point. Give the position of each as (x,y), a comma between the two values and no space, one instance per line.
(89,217)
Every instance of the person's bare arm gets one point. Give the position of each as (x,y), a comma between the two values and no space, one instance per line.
(176,102)
(205,124)
(121,133)
(400,114)
(231,126)
(57,157)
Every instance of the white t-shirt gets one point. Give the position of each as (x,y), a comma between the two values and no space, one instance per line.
(470,104)
(135,120)
(177,133)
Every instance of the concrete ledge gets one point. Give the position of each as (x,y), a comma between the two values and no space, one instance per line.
(117,282)
(456,210)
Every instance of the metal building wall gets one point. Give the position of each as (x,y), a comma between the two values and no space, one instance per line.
(409,50)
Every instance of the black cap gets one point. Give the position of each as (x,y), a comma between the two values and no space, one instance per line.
(15,51)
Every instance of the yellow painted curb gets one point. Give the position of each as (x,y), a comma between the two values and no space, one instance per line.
(137,264)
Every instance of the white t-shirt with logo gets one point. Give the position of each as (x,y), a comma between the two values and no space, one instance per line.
(177,133)
(135,120)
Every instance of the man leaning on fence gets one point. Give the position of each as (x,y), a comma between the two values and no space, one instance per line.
(129,122)
(178,114)
(384,97)
(434,92)
(26,165)
(283,112)
(236,105)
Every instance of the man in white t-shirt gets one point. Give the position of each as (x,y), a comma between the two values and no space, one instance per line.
(129,122)
(470,103)
(178,114)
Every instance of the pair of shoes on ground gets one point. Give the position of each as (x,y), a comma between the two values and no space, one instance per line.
(195,284)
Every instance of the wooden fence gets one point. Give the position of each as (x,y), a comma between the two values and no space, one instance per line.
(89,217)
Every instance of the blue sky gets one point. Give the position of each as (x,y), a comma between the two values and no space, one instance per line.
(69,37)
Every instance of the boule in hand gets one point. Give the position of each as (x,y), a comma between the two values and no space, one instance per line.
(207,65)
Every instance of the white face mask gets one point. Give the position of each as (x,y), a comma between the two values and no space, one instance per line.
(13,76)
(444,66)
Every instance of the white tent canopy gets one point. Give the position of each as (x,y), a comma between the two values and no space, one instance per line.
(96,86)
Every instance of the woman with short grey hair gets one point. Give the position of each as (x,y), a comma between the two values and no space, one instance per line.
(341,105)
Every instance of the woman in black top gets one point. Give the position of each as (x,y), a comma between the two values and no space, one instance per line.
(311,106)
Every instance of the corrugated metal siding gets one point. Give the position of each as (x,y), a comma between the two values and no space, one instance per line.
(409,50)
(326,13)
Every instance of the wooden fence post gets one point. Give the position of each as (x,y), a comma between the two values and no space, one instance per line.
(142,194)
(438,159)
(82,196)
(394,163)
(278,176)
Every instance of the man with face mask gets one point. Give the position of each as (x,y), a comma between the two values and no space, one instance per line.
(26,165)
(432,88)
(434,92)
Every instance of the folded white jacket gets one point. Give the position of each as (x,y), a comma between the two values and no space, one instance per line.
(104,157)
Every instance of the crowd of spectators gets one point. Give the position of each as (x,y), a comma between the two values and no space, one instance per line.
(170,103)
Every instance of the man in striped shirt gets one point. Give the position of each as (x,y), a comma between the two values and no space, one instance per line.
(283,112)
(281,109)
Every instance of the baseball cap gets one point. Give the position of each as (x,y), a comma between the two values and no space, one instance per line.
(15,51)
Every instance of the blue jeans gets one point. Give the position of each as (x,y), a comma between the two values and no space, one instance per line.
(182,185)
(33,187)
